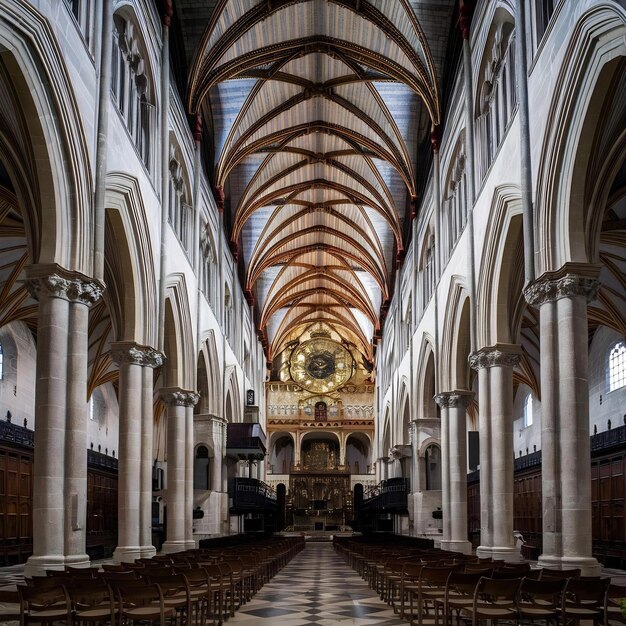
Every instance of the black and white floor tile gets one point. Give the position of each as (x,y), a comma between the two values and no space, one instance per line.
(316,588)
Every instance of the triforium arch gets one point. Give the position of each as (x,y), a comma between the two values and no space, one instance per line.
(178,335)
(566,223)
(55,190)
(426,380)
(129,261)
(455,344)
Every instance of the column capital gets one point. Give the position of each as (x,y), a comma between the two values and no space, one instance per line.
(53,280)
(500,355)
(573,279)
(136,354)
(176,396)
(454,399)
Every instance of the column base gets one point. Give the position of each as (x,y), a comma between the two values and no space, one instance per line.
(78,560)
(587,564)
(127,554)
(147,552)
(190,545)
(169,547)
(37,565)
(455,545)
(499,553)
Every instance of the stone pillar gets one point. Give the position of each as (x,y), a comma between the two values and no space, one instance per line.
(217,429)
(60,463)
(495,365)
(189,461)
(454,484)
(416,470)
(442,401)
(562,298)
(147,458)
(135,408)
(176,400)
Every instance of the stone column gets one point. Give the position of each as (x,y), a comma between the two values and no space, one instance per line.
(442,401)
(189,461)
(454,469)
(415,460)
(217,430)
(495,365)
(147,456)
(135,370)
(60,463)
(562,298)
(178,402)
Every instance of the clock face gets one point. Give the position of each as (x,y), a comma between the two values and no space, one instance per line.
(321,365)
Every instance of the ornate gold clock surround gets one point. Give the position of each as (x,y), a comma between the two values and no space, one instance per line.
(321,365)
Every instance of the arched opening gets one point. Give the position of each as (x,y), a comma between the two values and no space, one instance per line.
(282,454)
(320,412)
(201,478)
(432,456)
(358,453)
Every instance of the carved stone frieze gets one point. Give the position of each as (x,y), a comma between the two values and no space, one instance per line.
(454,399)
(70,286)
(179,397)
(495,357)
(136,354)
(550,289)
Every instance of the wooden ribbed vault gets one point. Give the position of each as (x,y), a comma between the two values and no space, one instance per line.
(313,107)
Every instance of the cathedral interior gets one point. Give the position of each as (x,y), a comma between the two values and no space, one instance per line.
(312,269)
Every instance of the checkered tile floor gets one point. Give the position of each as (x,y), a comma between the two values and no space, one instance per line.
(316,589)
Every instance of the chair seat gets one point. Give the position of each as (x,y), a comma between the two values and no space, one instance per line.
(148,612)
(48,615)
(494,612)
(97,614)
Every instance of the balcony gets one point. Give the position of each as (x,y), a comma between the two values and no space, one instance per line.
(245,442)
(248,495)
(389,496)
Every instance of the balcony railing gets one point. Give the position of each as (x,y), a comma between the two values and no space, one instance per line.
(245,441)
(249,494)
(390,496)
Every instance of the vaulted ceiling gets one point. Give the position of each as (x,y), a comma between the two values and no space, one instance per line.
(317,110)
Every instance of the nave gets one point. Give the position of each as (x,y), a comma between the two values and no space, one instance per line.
(316,588)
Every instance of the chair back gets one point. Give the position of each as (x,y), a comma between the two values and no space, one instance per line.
(556,574)
(502,593)
(585,594)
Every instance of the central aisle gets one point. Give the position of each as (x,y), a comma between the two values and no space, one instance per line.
(316,588)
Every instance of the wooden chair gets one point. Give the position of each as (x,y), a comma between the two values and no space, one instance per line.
(92,602)
(584,600)
(44,606)
(139,601)
(539,600)
(493,600)
(458,595)
(616,594)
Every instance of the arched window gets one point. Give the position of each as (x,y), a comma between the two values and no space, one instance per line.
(617,366)
(84,14)
(455,201)
(497,95)
(201,468)
(528,411)
(131,87)
(320,412)
(180,211)
(433,468)
(543,13)
(428,271)
(1,363)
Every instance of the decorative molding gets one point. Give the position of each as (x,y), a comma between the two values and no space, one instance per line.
(571,281)
(135,354)
(496,356)
(174,396)
(57,282)
(454,399)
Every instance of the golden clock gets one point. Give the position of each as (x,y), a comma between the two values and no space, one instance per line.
(321,365)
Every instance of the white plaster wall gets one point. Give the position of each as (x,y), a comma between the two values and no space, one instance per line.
(604,405)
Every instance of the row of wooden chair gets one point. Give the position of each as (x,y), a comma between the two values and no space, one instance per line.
(185,588)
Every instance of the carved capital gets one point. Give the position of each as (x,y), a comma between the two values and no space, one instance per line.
(175,396)
(454,399)
(495,356)
(129,352)
(57,282)
(571,281)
